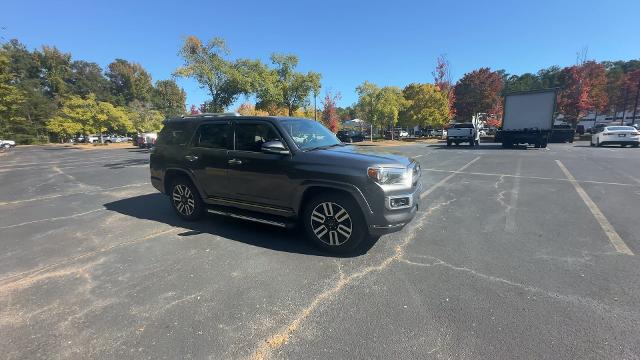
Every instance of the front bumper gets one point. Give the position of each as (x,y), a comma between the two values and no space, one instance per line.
(388,220)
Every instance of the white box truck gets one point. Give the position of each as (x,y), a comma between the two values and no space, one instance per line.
(528,118)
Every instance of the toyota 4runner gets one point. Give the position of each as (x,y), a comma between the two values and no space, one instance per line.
(283,171)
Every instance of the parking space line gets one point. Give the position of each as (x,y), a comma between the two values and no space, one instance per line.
(47,197)
(510,224)
(52,219)
(529,177)
(441,182)
(606,226)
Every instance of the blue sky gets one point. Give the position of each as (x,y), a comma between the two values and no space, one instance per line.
(385,42)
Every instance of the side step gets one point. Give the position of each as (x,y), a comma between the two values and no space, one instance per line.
(246,215)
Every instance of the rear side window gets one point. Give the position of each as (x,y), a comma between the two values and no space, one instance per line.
(250,137)
(173,134)
(213,136)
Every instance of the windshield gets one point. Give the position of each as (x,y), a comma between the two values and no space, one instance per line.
(309,134)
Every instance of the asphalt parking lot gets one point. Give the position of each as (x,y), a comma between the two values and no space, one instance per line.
(515,254)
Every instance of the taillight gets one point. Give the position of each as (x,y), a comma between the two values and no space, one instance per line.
(607,134)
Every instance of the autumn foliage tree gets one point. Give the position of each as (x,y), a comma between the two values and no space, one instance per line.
(330,117)
(573,99)
(442,79)
(478,91)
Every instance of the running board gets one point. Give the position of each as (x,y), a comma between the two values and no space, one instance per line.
(249,218)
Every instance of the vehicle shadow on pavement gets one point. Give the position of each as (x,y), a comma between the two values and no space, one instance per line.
(156,207)
(125,163)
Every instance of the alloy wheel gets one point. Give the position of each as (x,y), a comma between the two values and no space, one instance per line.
(183,199)
(331,223)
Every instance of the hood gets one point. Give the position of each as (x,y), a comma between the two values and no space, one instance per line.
(357,154)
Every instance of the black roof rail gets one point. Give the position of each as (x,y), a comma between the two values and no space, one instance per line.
(206,115)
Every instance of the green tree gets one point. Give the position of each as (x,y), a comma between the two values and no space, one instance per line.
(169,98)
(379,106)
(86,116)
(129,82)
(426,106)
(224,79)
(55,70)
(11,100)
(87,78)
(284,87)
(143,118)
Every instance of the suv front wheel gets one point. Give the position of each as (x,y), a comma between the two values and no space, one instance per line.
(334,223)
(185,200)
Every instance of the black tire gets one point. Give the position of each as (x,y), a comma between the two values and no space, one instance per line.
(598,143)
(327,227)
(448,143)
(185,199)
(472,143)
(591,143)
(636,145)
(543,144)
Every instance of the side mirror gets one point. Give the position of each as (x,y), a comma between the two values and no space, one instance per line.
(275,147)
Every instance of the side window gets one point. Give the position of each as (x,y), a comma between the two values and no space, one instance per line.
(250,137)
(173,134)
(213,136)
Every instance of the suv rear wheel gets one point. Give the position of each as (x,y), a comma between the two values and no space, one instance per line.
(185,200)
(334,223)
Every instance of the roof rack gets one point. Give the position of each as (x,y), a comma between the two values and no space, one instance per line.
(206,115)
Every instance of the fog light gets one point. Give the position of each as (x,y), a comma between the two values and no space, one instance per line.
(396,203)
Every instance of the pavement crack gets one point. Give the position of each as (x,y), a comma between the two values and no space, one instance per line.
(265,349)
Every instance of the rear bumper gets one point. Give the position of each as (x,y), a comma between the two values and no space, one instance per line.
(386,221)
(621,142)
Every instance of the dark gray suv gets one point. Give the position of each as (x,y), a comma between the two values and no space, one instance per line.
(283,171)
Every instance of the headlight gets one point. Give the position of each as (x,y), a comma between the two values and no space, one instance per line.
(390,175)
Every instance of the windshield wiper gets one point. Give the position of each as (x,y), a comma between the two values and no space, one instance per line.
(325,146)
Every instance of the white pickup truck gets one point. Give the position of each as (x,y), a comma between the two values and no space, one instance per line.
(7,143)
(463,133)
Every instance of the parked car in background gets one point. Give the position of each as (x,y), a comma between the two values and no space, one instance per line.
(5,144)
(350,136)
(463,133)
(147,140)
(616,135)
(442,133)
(562,134)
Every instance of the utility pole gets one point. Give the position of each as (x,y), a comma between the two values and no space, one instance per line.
(624,105)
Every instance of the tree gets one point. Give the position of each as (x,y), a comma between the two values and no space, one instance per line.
(573,99)
(367,102)
(284,87)
(224,79)
(478,91)
(11,99)
(87,115)
(55,70)
(143,118)
(596,77)
(426,105)
(249,109)
(330,117)
(442,79)
(169,98)
(87,78)
(129,82)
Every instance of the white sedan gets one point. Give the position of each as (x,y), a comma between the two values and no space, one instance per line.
(619,135)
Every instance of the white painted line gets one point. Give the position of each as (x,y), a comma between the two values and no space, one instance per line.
(51,219)
(441,182)
(529,177)
(510,225)
(47,197)
(417,156)
(606,226)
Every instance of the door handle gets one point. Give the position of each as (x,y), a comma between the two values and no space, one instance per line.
(191,158)
(234,162)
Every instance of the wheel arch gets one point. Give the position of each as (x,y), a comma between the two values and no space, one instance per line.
(171,174)
(313,189)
